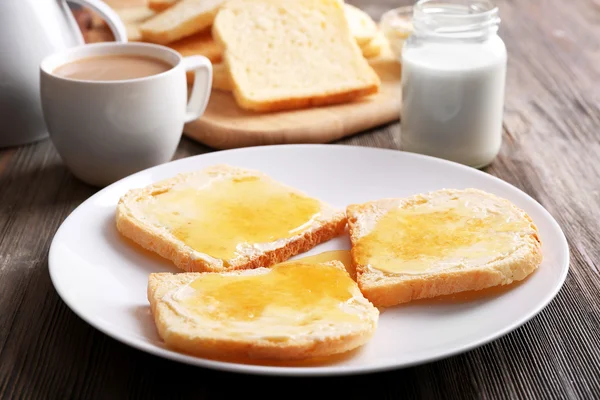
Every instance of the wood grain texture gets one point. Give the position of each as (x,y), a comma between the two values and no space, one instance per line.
(551,150)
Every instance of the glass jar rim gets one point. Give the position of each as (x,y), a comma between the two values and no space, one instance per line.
(489,7)
(460,18)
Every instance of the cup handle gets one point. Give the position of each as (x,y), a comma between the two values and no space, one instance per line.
(202,86)
(112,18)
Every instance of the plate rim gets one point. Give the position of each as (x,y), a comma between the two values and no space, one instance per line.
(316,371)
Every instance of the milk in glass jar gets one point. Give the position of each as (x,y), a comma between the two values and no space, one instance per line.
(453,78)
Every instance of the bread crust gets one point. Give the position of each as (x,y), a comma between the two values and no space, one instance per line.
(185,258)
(160,5)
(385,290)
(188,337)
(362,26)
(374,47)
(160,29)
(221,78)
(201,44)
(303,102)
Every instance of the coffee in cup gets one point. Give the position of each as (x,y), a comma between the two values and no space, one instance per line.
(112,68)
(113,109)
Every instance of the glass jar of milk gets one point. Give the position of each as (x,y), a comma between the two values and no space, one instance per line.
(453,74)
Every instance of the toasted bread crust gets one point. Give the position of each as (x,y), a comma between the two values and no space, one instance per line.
(388,290)
(187,259)
(177,332)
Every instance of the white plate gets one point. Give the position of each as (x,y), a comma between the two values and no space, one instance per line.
(103,279)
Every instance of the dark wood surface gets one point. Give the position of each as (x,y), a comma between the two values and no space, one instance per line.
(551,151)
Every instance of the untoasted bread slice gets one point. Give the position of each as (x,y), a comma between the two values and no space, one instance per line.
(440,243)
(132,18)
(375,47)
(160,5)
(198,44)
(201,44)
(385,59)
(135,14)
(133,32)
(221,78)
(292,311)
(362,26)
(305,57)
(183,19)
(225,218)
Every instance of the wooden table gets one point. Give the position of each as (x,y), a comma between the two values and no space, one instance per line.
(551,151)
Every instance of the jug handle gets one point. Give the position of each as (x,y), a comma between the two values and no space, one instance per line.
(112,18)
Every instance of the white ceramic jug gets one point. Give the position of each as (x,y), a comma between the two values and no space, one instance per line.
(29,31)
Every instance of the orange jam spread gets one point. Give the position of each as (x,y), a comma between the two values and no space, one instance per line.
(342,256)
(422,237)
(217,218)
(300,293)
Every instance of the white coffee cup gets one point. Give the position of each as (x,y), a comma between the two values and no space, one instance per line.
(106,130)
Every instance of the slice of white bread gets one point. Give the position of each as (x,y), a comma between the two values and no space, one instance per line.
(375,47)
(132,17)
(221,78)
(136,14)
(292,311)
(160,5)
(133,32)
(362,26)
(183,19)
(225,218)
(201,44)
(439,243)
(286,54)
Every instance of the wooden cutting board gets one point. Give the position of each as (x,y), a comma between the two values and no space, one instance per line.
(225,126)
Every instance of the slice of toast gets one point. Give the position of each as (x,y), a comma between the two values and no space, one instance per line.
(362,26)
(183,19)
(225,218)
(439,243)
(291,311)
(287,54)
